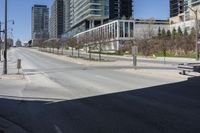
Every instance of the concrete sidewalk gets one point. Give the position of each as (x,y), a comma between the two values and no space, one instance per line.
(12,83)
(13,73)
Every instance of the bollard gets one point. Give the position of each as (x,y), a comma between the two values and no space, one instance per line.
(134,60)
(134,53)
(19,66)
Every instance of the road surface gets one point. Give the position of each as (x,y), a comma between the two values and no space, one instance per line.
(63,97)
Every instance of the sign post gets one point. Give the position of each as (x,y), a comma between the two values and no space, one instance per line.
(19,66)
(134,53)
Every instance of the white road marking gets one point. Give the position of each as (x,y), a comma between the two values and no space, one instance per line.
(58,130)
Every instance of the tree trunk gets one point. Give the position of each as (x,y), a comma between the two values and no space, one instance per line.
(62,50)
(78,53)
(100,52)
(72,51)
(90,56)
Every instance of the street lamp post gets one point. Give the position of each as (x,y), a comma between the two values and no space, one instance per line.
(6,43)
(3,31)
(0,41)
(197,31)
(197,34)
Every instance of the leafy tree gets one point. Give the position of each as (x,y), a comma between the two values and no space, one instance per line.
(30,43)
(169,33)
(163,32)
(180,33)
(159,32)
(18,43)
(185,32)
(174,33)
(193,32)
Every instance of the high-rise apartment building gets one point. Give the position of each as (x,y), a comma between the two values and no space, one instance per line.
(176,7)
(56,28)
(180,11)
(195,5)
(84,14)
(81,15)
(40,22)
(66,7)
(120,8)
(186,18)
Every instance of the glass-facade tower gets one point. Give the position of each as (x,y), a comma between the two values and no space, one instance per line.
(40,22)
(176,7)
(120,8)
(81,15)
(84,14)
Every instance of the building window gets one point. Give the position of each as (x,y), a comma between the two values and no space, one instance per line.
(126,29)
(115,29)
(131,29)
(121,26)
(107,27)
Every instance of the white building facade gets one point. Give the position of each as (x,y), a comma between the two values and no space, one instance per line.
(113,35)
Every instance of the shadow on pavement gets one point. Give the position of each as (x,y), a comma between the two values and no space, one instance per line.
(170,108)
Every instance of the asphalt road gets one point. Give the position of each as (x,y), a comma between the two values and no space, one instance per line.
(74,81)
(73,98)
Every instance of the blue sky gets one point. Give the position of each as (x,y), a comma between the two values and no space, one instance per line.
(20,11)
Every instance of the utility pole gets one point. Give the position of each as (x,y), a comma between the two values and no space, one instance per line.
(5,40)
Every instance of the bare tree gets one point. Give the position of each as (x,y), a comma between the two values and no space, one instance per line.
(72,42)
(57,44)
(62,42)
(38,43)
(81,42)
(98,42)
